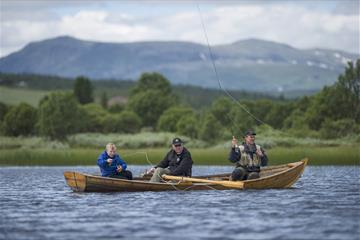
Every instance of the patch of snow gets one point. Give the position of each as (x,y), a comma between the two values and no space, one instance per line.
(294,62)
(203,56)
(260,61)
(318,53)
(337,55)
(309,63)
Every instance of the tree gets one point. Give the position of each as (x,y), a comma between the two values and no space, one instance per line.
(188,126)
(348,86)
(83,90)
(151,96)
(340,128)
(124,122)
(152,81)
(149,105)
(221,109)
(116,108)
(20,120)
(170,118)
(104,100)
(210,129)
(3,110)
(340,101)
(92,117)
(278,114)
(58,116)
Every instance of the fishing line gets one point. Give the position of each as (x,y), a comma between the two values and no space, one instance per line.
(169,183)
(151,165)
(216,72)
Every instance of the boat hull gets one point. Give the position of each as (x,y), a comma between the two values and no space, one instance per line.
(281,176)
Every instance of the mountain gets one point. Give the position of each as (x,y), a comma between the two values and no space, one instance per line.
(252,64)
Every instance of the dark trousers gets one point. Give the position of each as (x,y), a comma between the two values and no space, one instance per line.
(122,175)
(241,173)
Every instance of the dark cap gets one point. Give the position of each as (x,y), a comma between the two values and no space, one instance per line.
(176,141)
(249,132)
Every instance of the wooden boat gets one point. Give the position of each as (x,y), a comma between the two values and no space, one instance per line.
(279,176)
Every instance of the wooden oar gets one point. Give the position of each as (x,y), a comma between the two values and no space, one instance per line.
(230,184)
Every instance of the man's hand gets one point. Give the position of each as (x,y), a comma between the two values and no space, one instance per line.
(150,171)
(109,161)
(119,168)
(259,153)
(234,142)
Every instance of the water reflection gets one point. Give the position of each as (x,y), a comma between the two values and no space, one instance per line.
(37,204)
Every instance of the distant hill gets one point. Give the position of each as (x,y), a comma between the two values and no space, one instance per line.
(252,65)
(30,88)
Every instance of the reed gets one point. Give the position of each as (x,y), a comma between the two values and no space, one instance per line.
(341,155)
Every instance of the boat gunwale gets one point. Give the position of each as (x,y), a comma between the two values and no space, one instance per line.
(290,166)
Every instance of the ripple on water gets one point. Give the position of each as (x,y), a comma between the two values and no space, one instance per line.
(37,204)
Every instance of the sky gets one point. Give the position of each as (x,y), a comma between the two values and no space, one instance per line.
(302,24)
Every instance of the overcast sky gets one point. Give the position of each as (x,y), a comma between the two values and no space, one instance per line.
(302,24)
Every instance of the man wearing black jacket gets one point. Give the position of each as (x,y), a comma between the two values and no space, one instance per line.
(177,162)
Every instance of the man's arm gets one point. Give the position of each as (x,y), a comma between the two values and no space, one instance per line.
(184,166)
(120,162)
(102,161)
(234,154)
(264,159)
(165,162)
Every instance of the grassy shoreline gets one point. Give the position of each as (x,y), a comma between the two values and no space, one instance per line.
(339,155)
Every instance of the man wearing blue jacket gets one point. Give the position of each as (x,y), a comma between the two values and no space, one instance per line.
(111,165)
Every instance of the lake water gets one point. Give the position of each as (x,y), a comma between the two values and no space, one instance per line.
(37,204)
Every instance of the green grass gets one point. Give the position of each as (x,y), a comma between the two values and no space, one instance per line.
(342,155)
(13,96)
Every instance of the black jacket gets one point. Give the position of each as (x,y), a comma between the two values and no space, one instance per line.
(179,165)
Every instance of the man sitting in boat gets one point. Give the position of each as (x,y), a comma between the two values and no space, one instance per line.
(177,162)
(248,158)
(111,165)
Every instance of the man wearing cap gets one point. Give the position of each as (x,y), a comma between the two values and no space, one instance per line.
(248,158)
(177,162)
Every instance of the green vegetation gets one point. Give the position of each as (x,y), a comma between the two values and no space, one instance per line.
(13,96)
(31,86)
(83,90)
(331,118)
(20,120)
(58,116)
(343,155)
(83,149)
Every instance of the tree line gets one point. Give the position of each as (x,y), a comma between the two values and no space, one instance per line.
(334,112)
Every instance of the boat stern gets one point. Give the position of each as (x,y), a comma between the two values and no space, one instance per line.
(76,181)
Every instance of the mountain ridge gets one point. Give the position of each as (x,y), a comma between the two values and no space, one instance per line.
(250,64)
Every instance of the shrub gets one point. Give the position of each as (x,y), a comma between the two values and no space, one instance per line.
(20,120)
(210,129)
(338,129)
(170,118)
(92,118)
(125,122)
(59,116)
(187,125)
(150,105)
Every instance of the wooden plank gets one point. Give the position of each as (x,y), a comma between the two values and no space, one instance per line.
(230,184)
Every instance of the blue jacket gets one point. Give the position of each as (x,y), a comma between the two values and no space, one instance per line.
(107,169)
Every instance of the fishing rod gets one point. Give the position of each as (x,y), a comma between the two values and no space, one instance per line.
(217,75)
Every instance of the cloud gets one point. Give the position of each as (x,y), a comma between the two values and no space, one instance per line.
(293,24)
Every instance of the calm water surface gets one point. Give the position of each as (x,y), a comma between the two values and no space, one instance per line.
(37,204)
